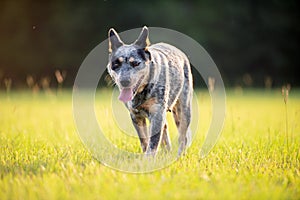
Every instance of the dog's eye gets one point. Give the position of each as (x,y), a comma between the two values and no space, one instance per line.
(115,65)
(134,63)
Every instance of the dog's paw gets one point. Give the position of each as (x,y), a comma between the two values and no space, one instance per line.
(150,153)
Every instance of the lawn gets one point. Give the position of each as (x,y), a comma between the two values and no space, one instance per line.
(256,157)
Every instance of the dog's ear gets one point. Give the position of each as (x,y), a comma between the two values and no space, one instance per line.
(143,39)
(114,40)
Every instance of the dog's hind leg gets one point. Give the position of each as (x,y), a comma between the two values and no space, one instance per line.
(182,112)
(182,125)
(165,138)
(182,117)
(140,126)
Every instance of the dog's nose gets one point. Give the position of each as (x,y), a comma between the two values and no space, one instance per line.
(125,82)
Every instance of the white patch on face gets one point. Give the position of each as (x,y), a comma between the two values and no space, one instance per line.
(121,59)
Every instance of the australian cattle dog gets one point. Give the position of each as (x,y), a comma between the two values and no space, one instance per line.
(153,79)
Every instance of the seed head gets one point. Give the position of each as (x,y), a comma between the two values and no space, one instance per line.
(285,92)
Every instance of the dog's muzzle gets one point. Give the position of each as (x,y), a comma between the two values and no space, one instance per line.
(125,82)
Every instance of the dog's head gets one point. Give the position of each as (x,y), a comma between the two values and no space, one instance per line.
(129,64)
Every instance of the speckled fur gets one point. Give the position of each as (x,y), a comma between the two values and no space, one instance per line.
(162,81)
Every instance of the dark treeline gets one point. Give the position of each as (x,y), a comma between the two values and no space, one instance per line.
(253,43)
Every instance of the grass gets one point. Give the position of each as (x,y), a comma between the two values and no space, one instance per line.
(42,157)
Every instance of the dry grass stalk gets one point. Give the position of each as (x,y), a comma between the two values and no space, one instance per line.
(30,81)
(60,78)
(7,83)
(211,84)
(45,83)
(285,94)
(268,82)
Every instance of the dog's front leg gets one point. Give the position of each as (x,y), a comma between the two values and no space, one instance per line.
(139,123)
(157,122)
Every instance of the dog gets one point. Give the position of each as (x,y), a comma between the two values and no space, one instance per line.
(153,79)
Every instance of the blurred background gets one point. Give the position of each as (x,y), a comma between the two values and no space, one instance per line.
(254,43)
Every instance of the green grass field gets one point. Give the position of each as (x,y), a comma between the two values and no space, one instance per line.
(256,157)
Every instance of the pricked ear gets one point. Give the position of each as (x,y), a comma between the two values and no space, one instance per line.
(143,39)
(114,40)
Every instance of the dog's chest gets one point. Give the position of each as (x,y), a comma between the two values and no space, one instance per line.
(143,101)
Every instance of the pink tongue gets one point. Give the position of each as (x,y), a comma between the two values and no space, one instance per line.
(126,95)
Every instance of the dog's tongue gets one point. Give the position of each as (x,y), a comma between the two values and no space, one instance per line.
(126,95)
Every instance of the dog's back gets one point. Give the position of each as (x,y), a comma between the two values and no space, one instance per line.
(170,71)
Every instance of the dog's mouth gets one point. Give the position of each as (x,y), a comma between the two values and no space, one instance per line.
(127,94)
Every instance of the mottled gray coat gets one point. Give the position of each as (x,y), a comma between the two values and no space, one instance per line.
(153,79)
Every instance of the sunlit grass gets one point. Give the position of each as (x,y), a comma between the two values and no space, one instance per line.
(42,157)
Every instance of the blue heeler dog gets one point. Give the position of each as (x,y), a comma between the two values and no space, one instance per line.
(153,79)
